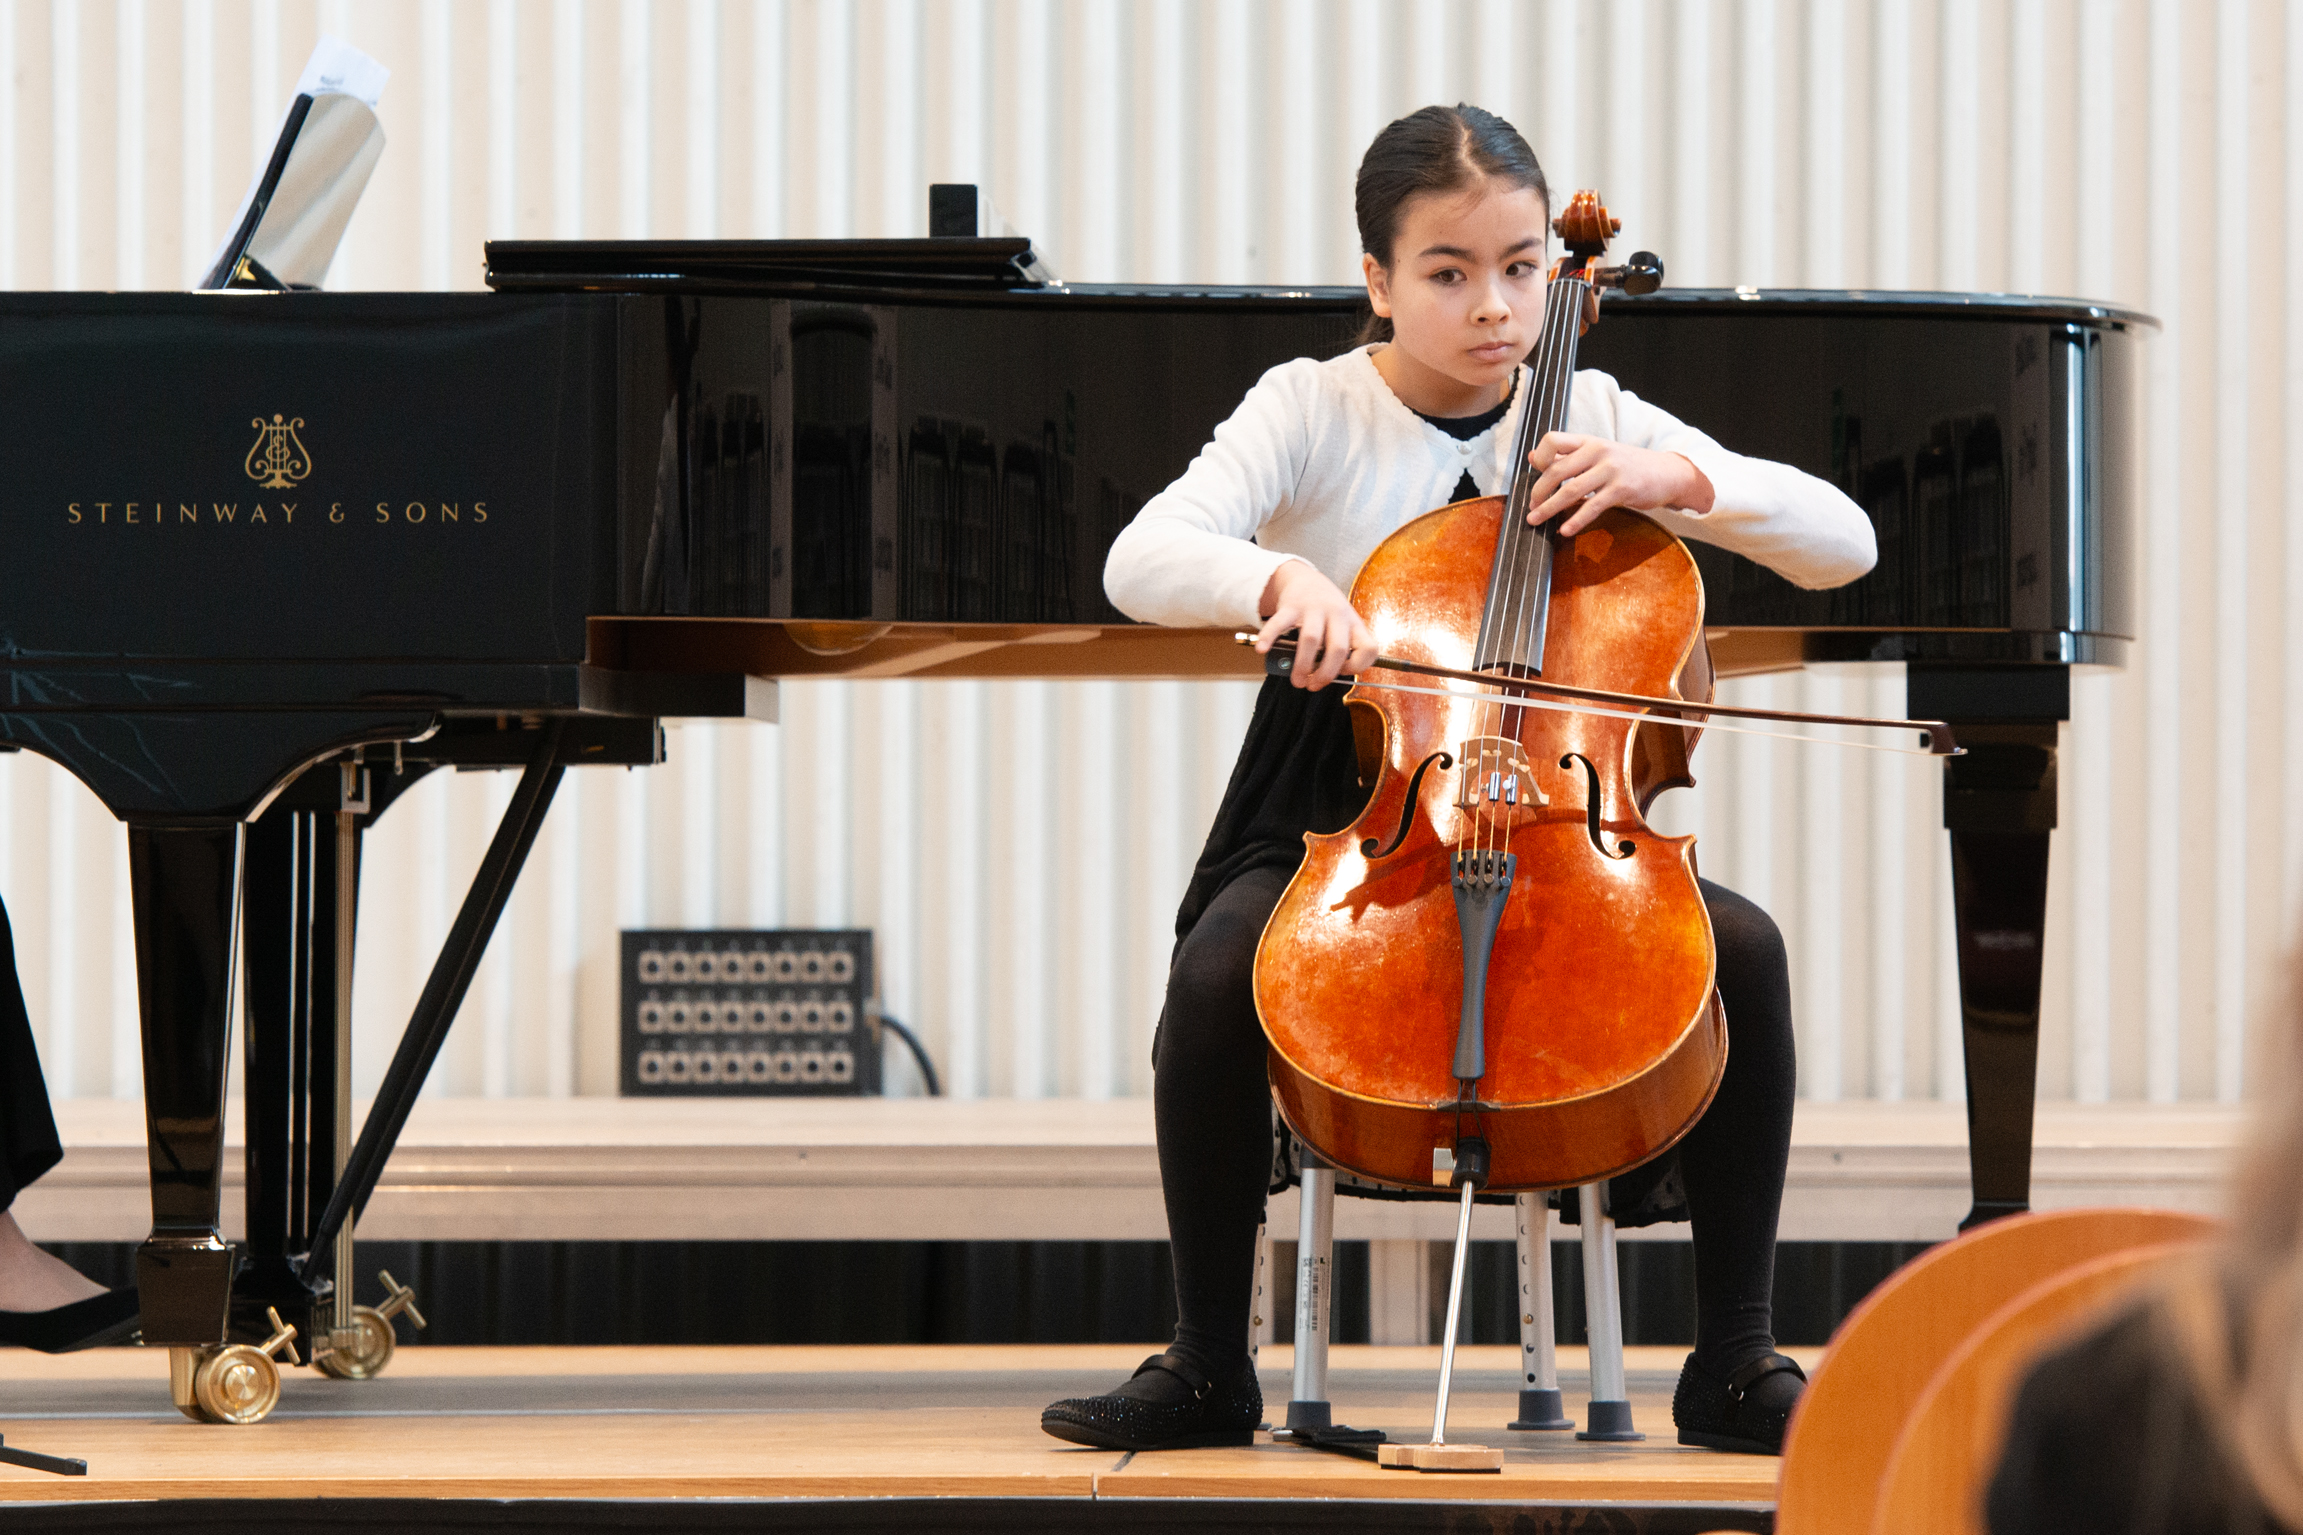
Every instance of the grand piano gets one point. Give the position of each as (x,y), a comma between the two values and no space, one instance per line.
(274,556)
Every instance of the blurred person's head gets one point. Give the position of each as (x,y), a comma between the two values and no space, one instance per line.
(2236,1311)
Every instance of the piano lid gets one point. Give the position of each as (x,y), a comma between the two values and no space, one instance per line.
(1880,303)
(991,268)
(969,458)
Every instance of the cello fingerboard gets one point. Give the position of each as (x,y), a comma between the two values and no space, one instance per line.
(1511,631)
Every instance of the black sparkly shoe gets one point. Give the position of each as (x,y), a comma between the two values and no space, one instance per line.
(1168,1404)
(1746,1412)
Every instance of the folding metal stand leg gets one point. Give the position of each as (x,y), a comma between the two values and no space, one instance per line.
(1609,1413)
(1539,1400)
(1307,1406)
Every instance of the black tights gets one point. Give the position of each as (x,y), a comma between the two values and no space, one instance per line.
(1213,1108)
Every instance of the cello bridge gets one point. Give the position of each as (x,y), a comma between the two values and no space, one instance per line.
(1495,778)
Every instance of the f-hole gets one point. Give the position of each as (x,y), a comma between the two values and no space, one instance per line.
(1623,849)
(1367,847)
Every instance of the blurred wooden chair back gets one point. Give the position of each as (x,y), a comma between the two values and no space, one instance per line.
(1944,1459)
(1883,1357)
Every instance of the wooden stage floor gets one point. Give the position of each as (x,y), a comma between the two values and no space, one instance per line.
(761,1438)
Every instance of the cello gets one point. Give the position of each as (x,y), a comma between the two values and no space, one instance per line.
(1500,976)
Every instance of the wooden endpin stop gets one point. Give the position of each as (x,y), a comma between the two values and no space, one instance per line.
(1439,1457)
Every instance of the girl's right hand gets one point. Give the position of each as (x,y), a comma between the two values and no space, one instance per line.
(1331,637)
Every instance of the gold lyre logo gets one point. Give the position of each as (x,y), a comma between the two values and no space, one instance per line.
(278,459)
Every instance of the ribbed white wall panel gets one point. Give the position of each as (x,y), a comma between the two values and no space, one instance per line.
(1019,847)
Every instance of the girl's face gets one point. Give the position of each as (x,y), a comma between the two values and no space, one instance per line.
(1464,291)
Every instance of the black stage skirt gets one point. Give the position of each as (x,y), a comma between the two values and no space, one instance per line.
(1297,772)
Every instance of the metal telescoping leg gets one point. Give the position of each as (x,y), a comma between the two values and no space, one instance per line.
(1310,1418)
(1540,1405)
(1307,1406)
(1609,1413)
(1259,1301)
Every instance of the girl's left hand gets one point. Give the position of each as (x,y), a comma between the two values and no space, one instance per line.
(1580,477)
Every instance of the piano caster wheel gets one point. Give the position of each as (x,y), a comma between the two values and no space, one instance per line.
(361,1351)
(231,1382)
(183,1365)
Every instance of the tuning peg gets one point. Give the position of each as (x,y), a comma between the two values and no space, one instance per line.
(398,1298)
(1643,273)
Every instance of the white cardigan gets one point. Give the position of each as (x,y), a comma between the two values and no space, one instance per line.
(1321,462)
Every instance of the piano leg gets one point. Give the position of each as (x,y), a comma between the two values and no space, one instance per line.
(185,890)
(289,932)
(326,1051)
(1999,806)
(278,887)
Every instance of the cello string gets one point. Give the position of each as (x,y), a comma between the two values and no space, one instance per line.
(1507,594)
(1512,628)
(1526,541)
(1513,597)
(1513,622)
(1518,619)
(1502,581)
(1564,706)
(1554,382)
(1538,420)
(1513,587)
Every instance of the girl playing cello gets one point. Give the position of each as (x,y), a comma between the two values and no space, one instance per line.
(1320,463)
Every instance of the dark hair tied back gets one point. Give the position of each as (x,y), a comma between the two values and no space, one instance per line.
(1439,149)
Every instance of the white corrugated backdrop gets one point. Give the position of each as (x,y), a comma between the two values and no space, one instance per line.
(1018,847)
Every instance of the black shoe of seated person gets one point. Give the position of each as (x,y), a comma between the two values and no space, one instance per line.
(1745,1411)
(1168,1404)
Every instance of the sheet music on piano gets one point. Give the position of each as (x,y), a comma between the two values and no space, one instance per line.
(285,232)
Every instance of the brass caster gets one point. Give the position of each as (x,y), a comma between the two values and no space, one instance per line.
(232,1382)
(361,1351)
(183,1365)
